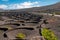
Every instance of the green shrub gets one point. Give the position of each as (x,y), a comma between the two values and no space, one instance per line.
(21,36)
(48,34)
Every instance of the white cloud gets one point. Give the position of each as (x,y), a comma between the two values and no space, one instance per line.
(3,6)
(21,5)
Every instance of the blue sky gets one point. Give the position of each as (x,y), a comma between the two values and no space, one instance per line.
(20,4)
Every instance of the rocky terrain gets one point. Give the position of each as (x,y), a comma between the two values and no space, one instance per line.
(29,21)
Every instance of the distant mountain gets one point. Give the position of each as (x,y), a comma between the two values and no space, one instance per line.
(53,7)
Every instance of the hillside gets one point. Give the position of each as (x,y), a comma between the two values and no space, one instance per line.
(48,8)
(53,7)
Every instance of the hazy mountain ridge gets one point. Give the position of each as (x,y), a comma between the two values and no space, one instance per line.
(55,7)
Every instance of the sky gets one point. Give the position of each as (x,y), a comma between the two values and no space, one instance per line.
(20,4)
